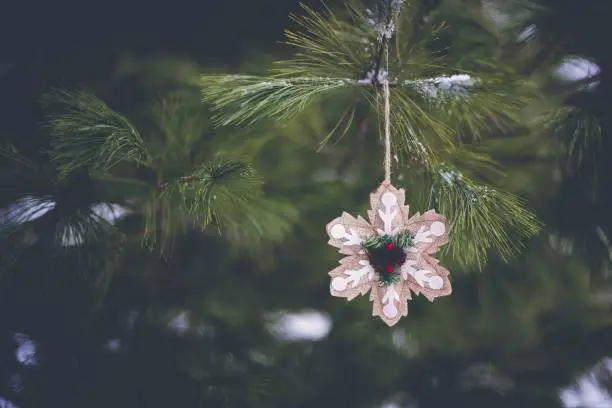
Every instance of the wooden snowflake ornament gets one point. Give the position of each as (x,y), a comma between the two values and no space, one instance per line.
(390,256)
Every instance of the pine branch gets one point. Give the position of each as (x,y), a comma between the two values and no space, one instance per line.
(422,138)
(41,226)
(243,99)
(83,226)
(260,220)
(224,195)
(335,53)
(86,132)
(228,195)
(179,122)
(437,105)
(487,219)
(326,49)
(475,106)
(177,193)
(215,187)
(325,44)
(41,217)
(578,131)
(23,210)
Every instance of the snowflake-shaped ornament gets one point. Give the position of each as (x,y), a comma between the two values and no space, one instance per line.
(390,255)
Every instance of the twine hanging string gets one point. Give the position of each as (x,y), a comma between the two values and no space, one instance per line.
(387,120)
(380,77)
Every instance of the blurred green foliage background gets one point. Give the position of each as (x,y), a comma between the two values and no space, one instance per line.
(194,318)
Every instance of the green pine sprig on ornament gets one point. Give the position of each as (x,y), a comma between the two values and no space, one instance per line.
(387,254)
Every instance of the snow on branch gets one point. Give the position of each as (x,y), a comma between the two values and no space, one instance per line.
(372,77)
(381,19)
(454,85)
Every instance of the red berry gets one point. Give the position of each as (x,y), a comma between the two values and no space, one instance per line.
(390,268)
(390,246)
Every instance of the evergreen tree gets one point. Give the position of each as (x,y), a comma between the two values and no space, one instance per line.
(201,325)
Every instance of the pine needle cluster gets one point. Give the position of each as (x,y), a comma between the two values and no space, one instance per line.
(161,168)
